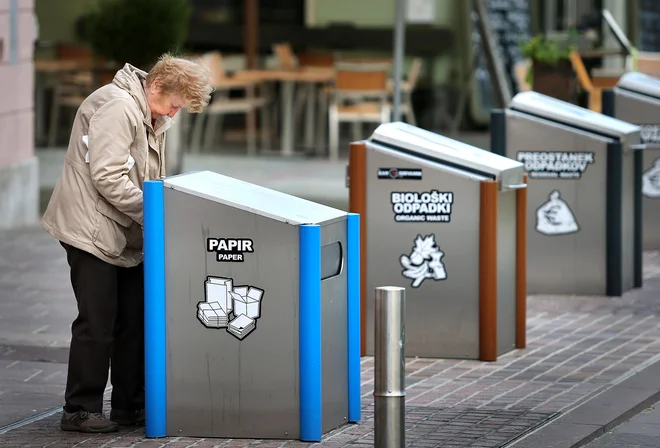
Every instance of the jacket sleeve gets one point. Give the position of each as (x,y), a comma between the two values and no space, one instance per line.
(112,130)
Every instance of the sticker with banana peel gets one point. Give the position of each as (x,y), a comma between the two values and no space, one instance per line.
(424,262)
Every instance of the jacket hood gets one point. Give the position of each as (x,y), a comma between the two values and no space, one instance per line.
(131,79)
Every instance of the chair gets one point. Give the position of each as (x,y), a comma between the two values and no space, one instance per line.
(285,57)
(222,104)
(520,70)
(359,95)
(644,62)
(407,88)
(69,92)
(71,86)
(316,59)
(595,93)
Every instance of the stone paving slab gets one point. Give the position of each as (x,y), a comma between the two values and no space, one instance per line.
(611,407)
(577,347)
(37,305)
(29,388)
(643,430)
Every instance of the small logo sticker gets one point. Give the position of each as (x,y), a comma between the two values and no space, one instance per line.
(400,173)
(424,262)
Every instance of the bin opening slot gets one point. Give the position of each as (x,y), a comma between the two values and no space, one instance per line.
(331,260)
(434,159)
(567,123)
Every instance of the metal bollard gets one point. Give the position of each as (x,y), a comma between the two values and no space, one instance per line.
(390,368)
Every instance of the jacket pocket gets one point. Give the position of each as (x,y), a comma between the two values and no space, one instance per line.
(110,232)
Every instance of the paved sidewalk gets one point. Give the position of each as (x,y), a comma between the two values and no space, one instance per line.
(577,347)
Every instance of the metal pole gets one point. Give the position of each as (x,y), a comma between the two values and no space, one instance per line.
(390,368)
(251,33)
(399,45)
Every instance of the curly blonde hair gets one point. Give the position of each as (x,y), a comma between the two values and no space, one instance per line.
(183,77)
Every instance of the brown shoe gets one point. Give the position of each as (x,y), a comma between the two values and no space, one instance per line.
(83,421)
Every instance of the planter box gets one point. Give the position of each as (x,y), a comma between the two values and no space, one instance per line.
(555,80)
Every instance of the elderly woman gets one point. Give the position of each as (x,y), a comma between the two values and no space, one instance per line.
(95,212)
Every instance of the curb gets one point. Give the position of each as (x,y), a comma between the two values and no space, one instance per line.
(600,414)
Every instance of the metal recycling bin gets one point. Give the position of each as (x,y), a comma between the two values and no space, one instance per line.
(636,99)
(584,214)
(444,220)
(251,311)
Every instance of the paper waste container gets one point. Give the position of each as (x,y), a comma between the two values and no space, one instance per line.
(251,311)
(444,220)
(584,212)
(636,99)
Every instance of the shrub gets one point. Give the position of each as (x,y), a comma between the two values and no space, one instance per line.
(137,31)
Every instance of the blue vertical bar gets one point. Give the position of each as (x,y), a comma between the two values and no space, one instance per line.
(154,310)
(353,274)
(13,31)
(309,334)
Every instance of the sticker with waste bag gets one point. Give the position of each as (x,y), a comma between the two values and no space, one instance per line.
(651,181)
(555,217)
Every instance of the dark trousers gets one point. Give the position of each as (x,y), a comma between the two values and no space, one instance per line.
(109,329)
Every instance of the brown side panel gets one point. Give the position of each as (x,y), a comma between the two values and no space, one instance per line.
(521,267)
(488,272)
(357,203)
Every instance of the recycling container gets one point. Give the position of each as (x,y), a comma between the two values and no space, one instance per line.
(251,311)
(636,99)
(584,214)
(446,221)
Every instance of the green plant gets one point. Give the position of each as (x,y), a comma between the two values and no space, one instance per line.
(543,50)
(546,51)
(137,31)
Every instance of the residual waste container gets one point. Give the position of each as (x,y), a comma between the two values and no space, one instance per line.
(636,99)
(584,214)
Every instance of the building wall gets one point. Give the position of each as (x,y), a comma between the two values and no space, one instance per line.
(19,183)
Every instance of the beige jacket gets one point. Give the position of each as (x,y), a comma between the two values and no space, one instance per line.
(97,203)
